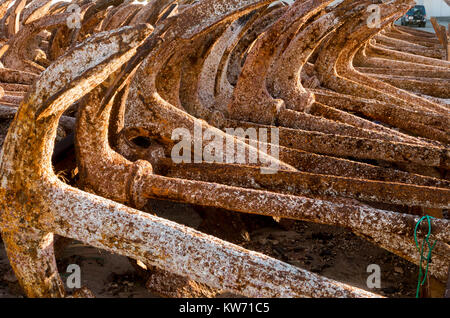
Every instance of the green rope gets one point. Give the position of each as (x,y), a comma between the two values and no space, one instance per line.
(421,250)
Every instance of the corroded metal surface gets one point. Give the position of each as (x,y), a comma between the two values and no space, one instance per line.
(360,115)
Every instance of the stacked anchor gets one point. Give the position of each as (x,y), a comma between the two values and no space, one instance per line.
(348,136)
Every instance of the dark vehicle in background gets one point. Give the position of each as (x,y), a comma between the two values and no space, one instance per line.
(415,16)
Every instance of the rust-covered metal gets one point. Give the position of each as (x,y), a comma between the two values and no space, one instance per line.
(357,117)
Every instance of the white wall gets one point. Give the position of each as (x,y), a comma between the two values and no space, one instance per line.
(435,8)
